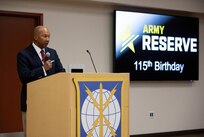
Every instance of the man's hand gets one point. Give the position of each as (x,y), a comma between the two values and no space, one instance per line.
(48,65)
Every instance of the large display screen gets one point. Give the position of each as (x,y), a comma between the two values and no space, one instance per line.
(156,46)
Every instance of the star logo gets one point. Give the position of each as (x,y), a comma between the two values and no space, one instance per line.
(128,40)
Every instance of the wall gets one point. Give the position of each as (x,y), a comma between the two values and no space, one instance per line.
(179,5)
(76,27)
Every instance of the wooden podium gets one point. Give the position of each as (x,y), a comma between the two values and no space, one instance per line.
(53,105)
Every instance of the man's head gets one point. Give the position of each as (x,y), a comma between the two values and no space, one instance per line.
(41,36)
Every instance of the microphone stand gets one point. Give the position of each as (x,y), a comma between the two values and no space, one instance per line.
(92,60)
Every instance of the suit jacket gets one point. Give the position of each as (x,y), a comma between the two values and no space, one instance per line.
(29,68)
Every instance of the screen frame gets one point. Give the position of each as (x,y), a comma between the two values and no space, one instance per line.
(149,79)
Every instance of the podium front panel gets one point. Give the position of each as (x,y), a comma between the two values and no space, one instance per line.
(79,105)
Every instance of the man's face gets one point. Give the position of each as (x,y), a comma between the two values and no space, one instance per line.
(42,38)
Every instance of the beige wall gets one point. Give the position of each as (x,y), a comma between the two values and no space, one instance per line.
(77,27)
(179,5)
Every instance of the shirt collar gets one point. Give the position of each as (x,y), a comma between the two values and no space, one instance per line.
(37,49)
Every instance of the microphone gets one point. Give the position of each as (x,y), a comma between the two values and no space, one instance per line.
(47,56)
(92,60)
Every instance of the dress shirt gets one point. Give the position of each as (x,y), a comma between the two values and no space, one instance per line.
(38,50)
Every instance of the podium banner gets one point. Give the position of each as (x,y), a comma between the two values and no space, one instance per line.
(99,107)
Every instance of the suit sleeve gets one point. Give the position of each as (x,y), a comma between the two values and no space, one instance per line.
(58,64)
(27,71)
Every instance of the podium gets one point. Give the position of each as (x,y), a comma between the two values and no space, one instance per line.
(78,105)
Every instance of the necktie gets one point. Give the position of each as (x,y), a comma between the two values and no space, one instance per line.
(43,55)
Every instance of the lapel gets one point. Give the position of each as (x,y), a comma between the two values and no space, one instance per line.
(34,55)
(47,50)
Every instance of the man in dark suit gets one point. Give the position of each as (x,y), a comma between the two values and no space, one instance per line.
(37,61)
